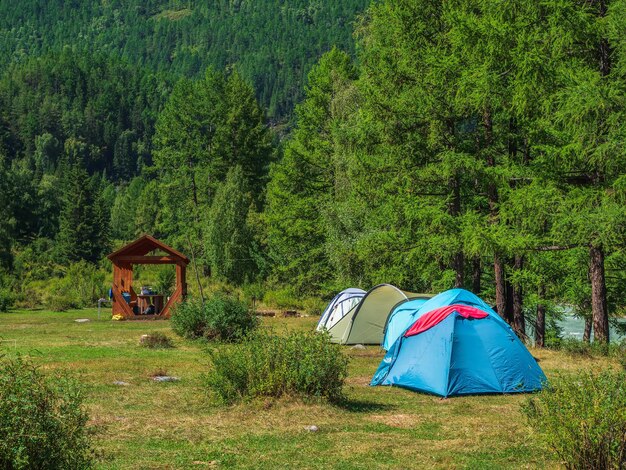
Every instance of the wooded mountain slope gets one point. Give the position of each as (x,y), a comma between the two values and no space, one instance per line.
(273,42)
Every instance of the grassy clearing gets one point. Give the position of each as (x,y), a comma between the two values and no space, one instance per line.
(173,425)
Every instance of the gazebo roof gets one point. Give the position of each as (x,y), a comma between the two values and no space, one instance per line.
(144,245)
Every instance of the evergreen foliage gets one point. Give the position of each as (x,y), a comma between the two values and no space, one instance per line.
(272,42)
(302,184)
(460,150)
(228,236)
(83,222)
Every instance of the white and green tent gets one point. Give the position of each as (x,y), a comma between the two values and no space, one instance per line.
(365,322)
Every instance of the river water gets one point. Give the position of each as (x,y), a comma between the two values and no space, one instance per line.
(573,327)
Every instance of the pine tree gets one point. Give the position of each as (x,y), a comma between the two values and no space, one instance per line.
(302,182)
(585,118)
(228,237)
(6,235)
(83,223)
(184,154)
(242,136)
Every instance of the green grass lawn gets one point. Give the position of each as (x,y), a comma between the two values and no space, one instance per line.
(175,425)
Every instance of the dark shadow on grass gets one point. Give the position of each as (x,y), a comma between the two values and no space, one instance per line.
(362,406)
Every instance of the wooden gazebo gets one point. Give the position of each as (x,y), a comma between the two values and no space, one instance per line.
(126,301)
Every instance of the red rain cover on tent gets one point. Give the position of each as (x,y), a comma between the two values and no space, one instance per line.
(434,317)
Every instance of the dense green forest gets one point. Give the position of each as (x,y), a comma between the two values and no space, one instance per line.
(473,143)
(273,42)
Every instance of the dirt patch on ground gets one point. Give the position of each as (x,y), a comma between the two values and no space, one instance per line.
(361,381)
(403,421)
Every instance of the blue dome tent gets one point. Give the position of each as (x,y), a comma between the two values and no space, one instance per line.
(404,315)
(400,319)
(459,349)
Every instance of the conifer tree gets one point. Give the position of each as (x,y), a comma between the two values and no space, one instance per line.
(228,237)
(6,235)
(184,154)
(301,184)
(83,222)
(242,136)
(585,118)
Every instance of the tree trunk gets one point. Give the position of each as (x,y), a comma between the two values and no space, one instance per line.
(476,274)
(508,313)
(455,211)
(540,322)
(459,267)
(599,309)
(604,47)
(519,321)
(500,286)
(587,332)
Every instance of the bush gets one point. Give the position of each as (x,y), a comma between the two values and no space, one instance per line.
(287,298)
(575,347)
(42,422)
(166,280)
(62,303)
(282,298)
(156,340)
(7,299)
(583,419)
(221,318)
(300,364)
(82,285)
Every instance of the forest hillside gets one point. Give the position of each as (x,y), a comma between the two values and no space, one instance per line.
(273,43)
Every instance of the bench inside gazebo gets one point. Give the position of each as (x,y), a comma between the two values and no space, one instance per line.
(130,304)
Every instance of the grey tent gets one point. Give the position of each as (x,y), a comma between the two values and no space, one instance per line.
(341,304)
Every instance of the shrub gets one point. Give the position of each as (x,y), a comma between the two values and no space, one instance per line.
(287,298)
(583,419)
(82,285)
(7,299)
(575,347)
(282,298)
(303,364)
(221,318)
(253,292)
(166,280)
(156,340)
(62,303)
(85,282)
(42,422)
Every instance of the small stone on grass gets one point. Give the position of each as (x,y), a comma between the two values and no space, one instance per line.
(358,346)
(121,384)
(82,320)
(165,378)
(312,428)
